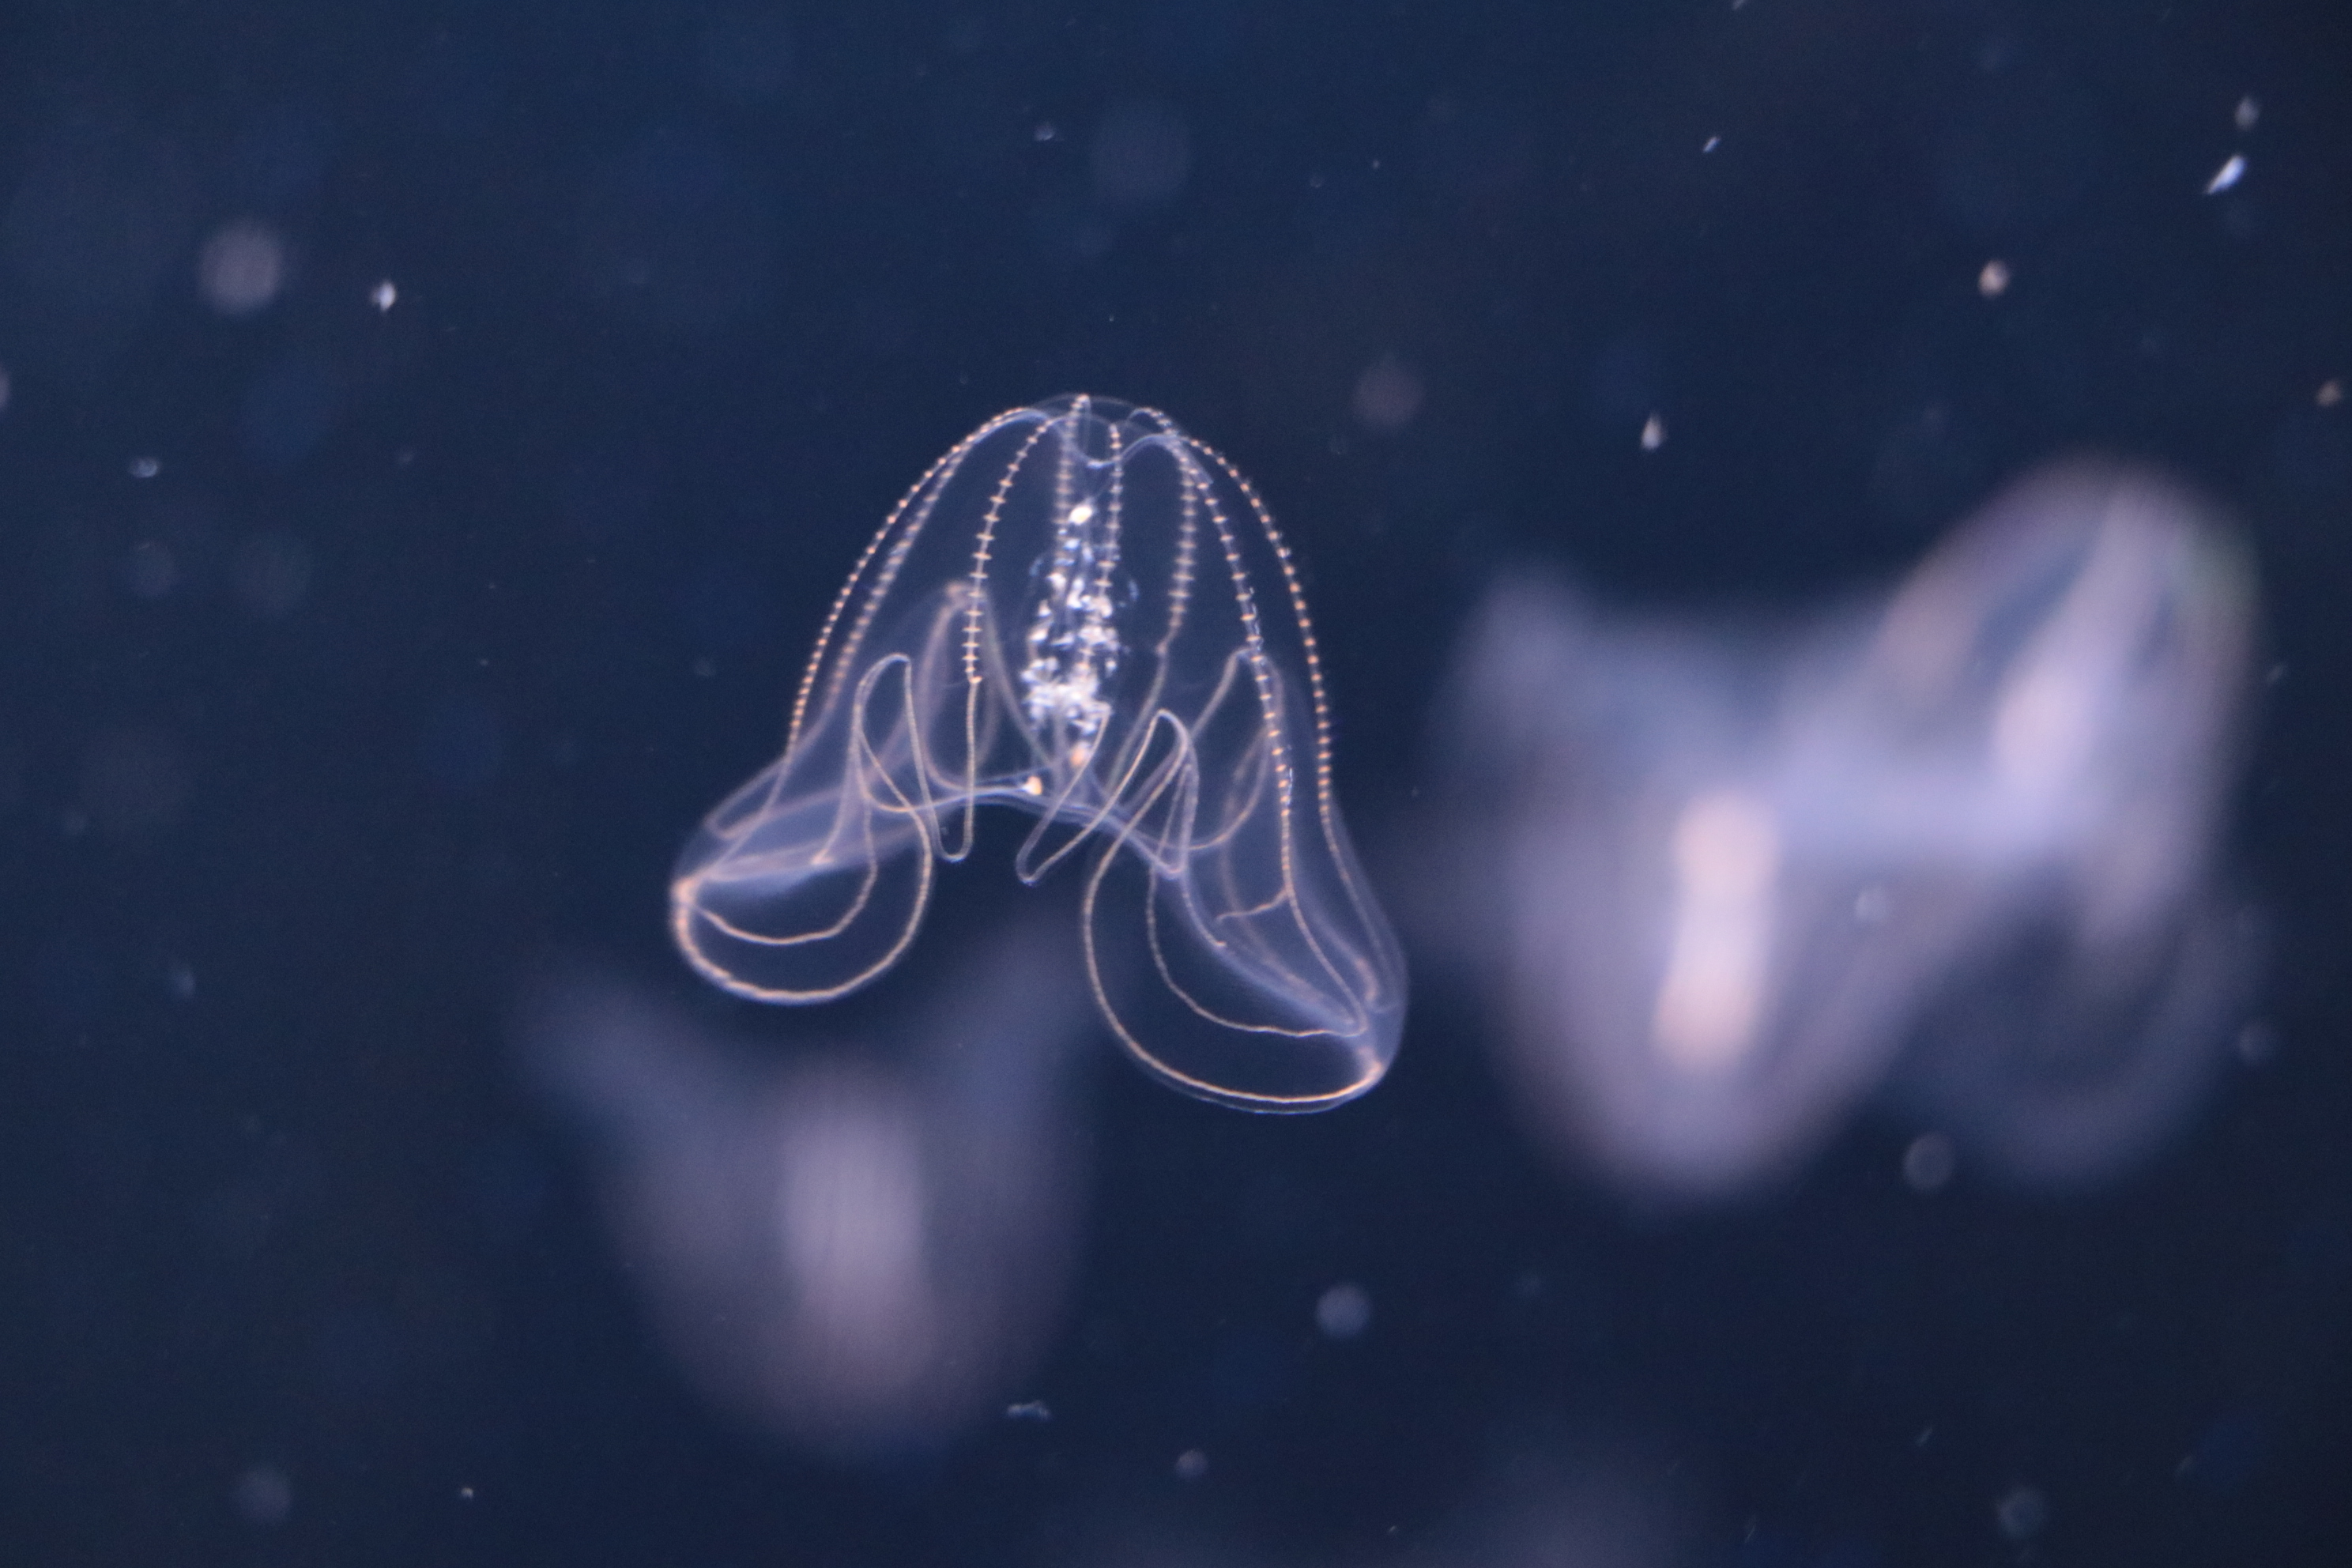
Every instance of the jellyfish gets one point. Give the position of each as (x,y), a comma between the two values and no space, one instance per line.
(1956,849)
(1085,615)
(857,1236)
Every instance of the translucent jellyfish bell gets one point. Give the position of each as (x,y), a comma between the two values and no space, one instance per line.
(859,1241)
(1966,837)
(1083,613)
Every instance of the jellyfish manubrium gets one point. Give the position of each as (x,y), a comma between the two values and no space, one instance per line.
(1083,613)
(1957,849)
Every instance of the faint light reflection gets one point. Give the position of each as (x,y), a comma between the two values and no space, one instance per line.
(241,267)
(855,1237)
(1952,852)
(1142,152)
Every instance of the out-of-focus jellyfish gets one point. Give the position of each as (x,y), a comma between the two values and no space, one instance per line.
(859,1244)
(1083,613)
(1597,1505)
(1724,885)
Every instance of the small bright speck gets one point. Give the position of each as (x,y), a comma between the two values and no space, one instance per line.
(146,468)
(2023,1513)
(1653,433)
(1388,394)
(263,1495)
(1028,1410)
(1929,1163)
(1046,132)
(1343,1312)
(2330,394)
(466,1493)
(1992,278)
(2228,175)
(2249,110)
(1191,1465)
(4,390)
(241,267)
(384,296)
(1712,143)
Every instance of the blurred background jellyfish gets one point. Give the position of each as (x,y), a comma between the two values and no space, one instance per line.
(859,1241)
(1956,850)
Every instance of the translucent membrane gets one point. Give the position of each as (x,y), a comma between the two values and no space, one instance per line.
(858,1240)
(1958,848)
(1083,613)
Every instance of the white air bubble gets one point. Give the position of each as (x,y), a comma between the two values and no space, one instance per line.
(1929,1163)
(241,267)
(1343,1312)
(263,1495)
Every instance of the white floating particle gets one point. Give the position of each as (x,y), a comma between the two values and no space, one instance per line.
(384,296)
(1992,278)
(1929,1163)
(1028,1410)
(2023,1513)
(263,1495)
(146,468)
(1191,1465)
(2330,392)
(1388,394)
(2228,175)
(1712,143)
(241,267)
(1343,1312)
(1653,433)
(2250,109)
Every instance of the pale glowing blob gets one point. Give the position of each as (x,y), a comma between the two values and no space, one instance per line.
(854,1235)
(242,266)
(1726,855)
(1387,396)
(1722,886)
